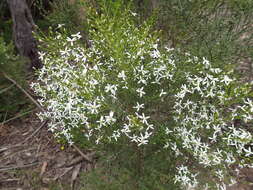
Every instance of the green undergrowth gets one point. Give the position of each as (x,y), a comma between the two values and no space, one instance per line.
(132,167)
(12,100)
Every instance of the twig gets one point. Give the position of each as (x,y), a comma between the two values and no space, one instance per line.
(42,125)
(75,173)
(18,167)
(62,174)
(79,159)
(23,90)
(19,115)
(17,152)
(6,89)
(10,180)
(82,154)
(75,161)
(3,149)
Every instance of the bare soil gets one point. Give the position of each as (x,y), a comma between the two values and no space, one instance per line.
(30,159)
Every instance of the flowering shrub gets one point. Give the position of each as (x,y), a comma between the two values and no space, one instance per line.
(127,88)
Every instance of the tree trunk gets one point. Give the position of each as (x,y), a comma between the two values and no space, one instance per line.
(23,27)
(154,4)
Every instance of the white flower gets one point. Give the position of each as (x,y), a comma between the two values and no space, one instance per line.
(169,49)
(227,80)
(101,121)
(71,40)
(93,107)
(230,159)
(60,25)
(162,93)
(111,88)
(140,91)
(122,75)
(134,138)
(109,119)
(206,62)
(141,70)
(138,106)
(248,151)
(220,174)
(155,54)
(143,81)
(65,52)
(221,186)
(166,146)
(116,135)
(93,82)
(77,35)
(41,55)
(134,14)
(144,119)
(143,139)
(168,131)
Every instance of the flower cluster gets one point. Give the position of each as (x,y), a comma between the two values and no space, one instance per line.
(125,87)
(205,120)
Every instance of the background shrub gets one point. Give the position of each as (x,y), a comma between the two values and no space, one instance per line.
(220,30)
(11,99)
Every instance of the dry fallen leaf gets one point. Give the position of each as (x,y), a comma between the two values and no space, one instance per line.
(75,161)
(43,168)
(75,174)
(66,170)
(47,180)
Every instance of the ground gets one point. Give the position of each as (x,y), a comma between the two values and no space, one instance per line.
(30,159)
